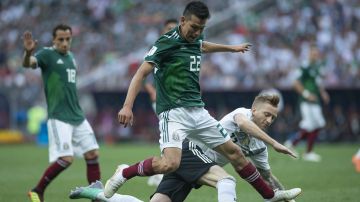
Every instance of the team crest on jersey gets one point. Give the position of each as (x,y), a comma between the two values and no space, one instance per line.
(66,146)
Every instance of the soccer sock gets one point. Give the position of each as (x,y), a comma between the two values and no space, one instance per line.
(302,135)
(142,168)
(311,139)
(252,176)
(226,189)
(92,170)
(51,172)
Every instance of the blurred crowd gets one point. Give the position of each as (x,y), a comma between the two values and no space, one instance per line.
(111,37)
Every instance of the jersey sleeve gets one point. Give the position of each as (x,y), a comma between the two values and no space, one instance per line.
(158,52)
(41,58)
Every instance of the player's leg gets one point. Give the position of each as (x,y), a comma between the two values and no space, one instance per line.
(224,183)
(316,121)
(172,133)
(60,154)
(85,144)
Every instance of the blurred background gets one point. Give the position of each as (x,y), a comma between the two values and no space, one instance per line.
(110,39)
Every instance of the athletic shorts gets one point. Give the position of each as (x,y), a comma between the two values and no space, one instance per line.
(70,140)
(194,123)
(312,116)
(194,164)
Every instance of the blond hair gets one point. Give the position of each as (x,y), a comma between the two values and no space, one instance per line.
(271,99)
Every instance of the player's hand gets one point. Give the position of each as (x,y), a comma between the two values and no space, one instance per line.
(242,47)
(326,98)
(125,116)
(311,98)
(282,149)
(29,42)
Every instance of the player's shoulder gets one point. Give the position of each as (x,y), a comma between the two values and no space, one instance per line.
(241,110)
(170,36)
(46,49)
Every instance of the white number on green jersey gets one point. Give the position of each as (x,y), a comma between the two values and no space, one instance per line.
(195,63)
(71,75)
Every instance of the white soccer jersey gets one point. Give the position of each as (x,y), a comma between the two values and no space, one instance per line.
(249,144)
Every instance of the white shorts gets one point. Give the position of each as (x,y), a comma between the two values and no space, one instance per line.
(69,140)
(261,160)
(312,116)
(194,123)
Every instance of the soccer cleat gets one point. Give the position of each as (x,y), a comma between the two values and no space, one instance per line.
(281,195)
(356,162)
(89,192)
(115,182)
(35,197)
(311,156)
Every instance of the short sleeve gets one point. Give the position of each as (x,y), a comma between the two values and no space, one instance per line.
(158,52)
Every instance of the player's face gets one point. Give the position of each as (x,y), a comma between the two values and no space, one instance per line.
(62,41)
(168,27)
(314,54)
(264,115)
(192,27)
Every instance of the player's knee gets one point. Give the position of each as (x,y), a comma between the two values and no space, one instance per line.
(170,166)
(67,159)
(93,154)
(235,153)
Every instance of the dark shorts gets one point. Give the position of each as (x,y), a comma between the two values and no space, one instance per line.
(194,164)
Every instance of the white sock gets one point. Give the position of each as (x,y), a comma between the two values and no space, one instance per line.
(357,154)
(117,198)
(226,189)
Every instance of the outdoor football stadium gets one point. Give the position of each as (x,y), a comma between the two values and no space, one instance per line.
(110,39)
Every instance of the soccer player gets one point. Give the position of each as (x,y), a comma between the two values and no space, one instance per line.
(308,86)
(197,168)
(247,128)
(69,132)
(175,59)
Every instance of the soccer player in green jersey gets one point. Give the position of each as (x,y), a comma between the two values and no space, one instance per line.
(69,132)
(175,60)
(308,86)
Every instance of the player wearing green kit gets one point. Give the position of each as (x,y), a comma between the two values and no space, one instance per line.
(175,60)
(308,86)
(69,132)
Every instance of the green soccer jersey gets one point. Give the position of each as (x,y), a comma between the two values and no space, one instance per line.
(309,78)
(59,78)
(176,73)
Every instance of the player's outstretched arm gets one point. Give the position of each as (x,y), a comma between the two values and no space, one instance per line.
(209,47)
(252,129)
(125,115)
(29,46)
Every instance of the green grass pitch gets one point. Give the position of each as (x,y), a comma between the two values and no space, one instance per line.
(332,180)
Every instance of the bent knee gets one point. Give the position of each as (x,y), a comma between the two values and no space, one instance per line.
(92,154)
(170,166)
(68,159)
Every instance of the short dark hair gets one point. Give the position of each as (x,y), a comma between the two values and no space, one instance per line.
(271,99)
(170,20)
(63,27)
(197,8)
